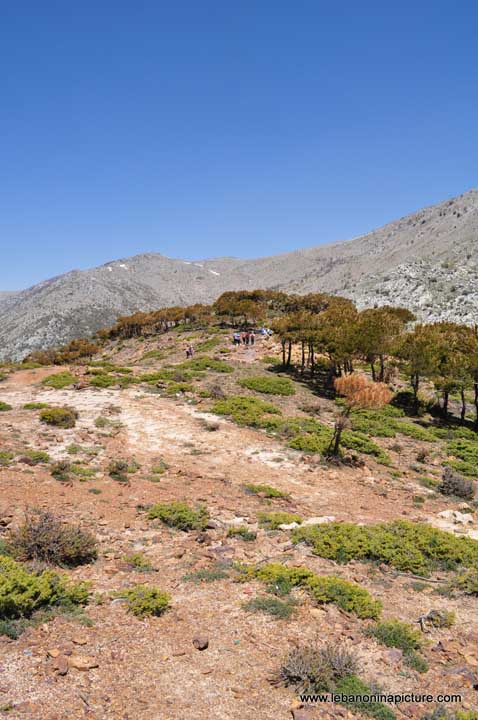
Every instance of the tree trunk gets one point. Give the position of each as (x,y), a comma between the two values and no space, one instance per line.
(289,353)
(382,368)
(463,405)
(475,401)
(446,396)
(415,382)
(302,364)
(283,352)
(312,360)
(372,367)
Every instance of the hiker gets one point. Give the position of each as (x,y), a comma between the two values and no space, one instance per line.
(236,338)
(244,340)
(252,337)
(189,352)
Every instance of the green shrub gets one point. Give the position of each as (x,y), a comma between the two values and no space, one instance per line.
(22,593)
(245,410)
(179,388)
(36,456)
(352,687)
(43,537)
(104,381)
(5,458)
(83,472)
(160,467)
(139,562)
(205,363)
(467,453)
(362,444)
(410,547)
(467,582)
(180,515)
(396,634)
(59,417)
(272,520)
(143,601)
(59,380)
(156,354)
(279,609)
(4,406)
(243,532)
(309,443)
(35,406)
(269,385)
(205,575)
(323,588)
(265,490)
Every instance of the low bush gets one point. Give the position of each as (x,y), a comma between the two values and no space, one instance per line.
(35,457)
(467,582)
(324,589)
(269,385)
(59,417)
(265,491)
(5,458)
(396,634)
(454,484)
(180,515)
(467,453)
(407,546)
(22,593)
(279,609)
(245,410)
(35,406)
(311,670)
(59,380)
(138,562)
(205,363)
(144,601)
(272,520)
(45,538)
(206,575)
(241,531)
(4,407)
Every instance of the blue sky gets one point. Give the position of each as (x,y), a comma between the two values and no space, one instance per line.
(199,129)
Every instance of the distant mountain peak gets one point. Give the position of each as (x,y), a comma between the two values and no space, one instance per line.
(415,260)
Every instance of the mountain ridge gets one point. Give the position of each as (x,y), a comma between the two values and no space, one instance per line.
(411,259)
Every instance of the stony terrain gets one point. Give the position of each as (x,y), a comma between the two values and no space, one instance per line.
(110,665)
(425,260)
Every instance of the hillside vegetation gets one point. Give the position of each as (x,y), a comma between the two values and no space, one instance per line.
(296,515)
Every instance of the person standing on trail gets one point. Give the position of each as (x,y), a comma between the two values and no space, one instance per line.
(244,338)
(236,338)
(252,337)
(189,352)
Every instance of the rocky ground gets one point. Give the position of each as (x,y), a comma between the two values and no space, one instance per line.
(114,666)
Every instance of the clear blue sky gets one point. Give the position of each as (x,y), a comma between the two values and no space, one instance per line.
(199,128)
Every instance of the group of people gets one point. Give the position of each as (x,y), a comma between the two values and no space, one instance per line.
(246,338)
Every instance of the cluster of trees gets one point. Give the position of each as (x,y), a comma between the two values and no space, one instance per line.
(329,326)
(80,349)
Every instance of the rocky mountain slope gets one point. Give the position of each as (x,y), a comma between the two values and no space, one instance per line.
(425,261)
